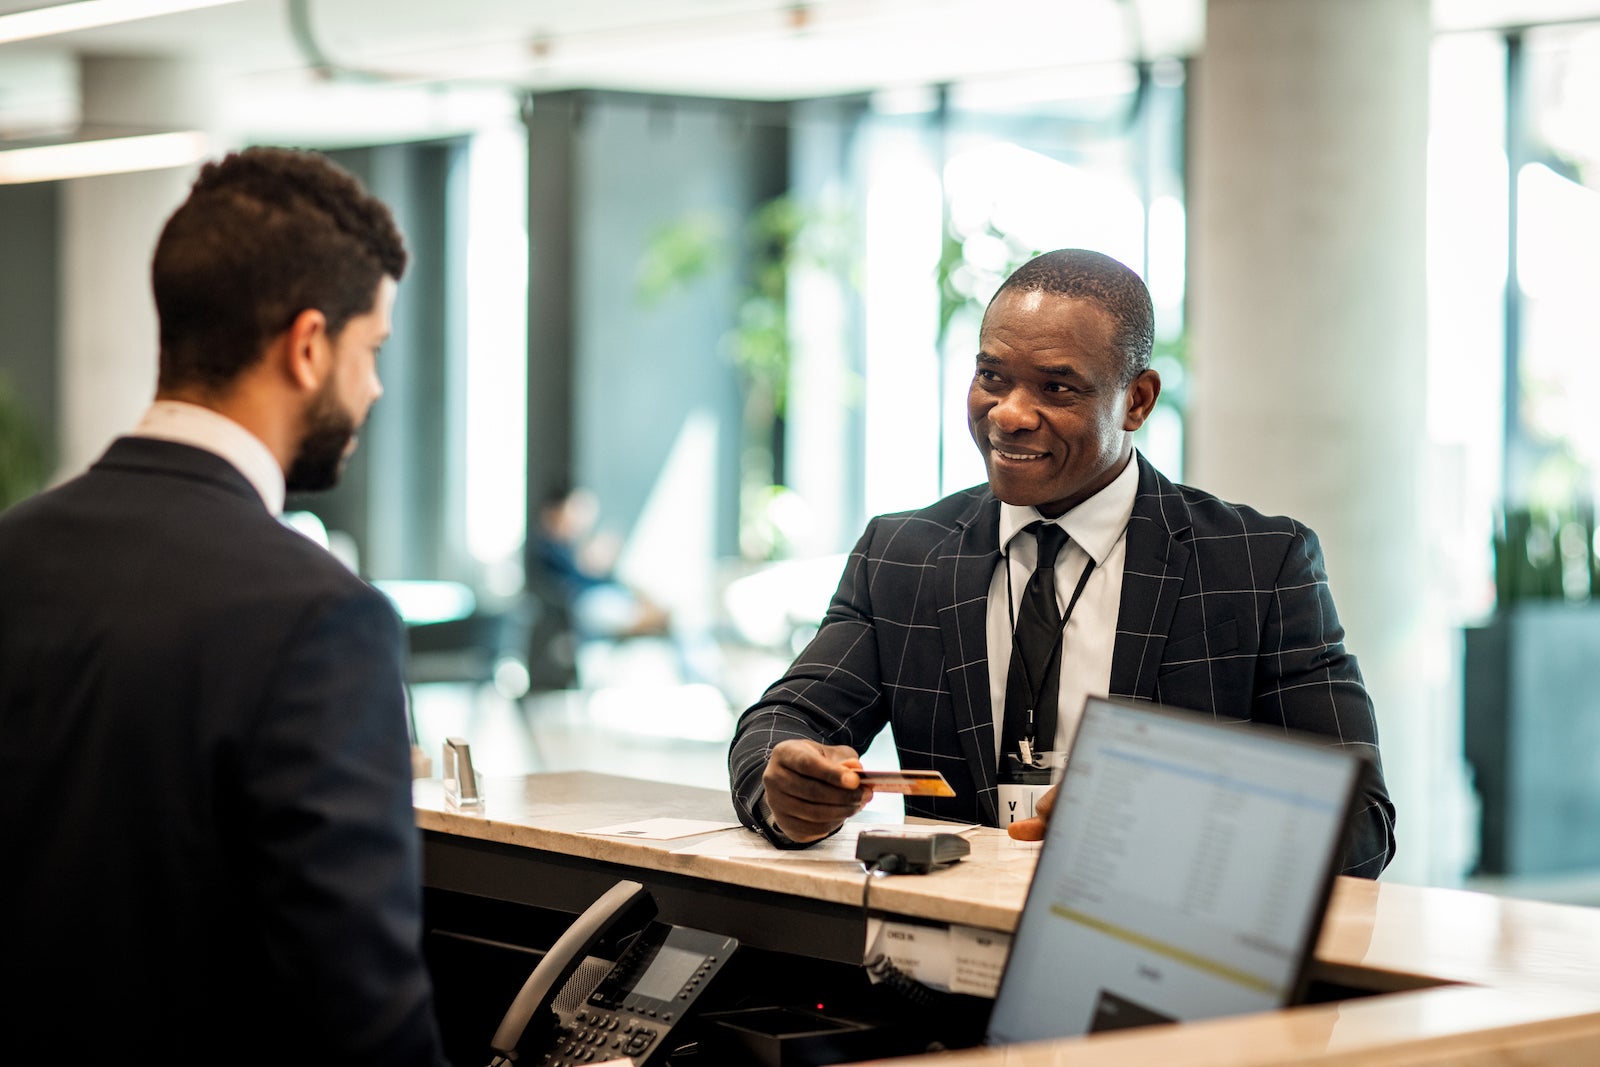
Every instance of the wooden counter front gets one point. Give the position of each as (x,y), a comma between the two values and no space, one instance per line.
(1467,978)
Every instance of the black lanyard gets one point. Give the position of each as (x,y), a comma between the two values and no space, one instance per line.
(1036,691)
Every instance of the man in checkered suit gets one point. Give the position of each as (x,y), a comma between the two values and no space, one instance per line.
(1186,600)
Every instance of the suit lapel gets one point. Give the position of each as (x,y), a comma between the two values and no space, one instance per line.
(966,564)
(1152,578)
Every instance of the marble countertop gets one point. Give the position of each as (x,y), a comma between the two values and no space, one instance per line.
(551,811)
(1473,978)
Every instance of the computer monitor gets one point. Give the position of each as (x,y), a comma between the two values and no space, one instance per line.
(1184,874)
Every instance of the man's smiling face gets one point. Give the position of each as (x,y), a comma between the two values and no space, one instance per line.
(1048,407)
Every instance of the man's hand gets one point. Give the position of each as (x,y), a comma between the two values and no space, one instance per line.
(1033,829)
(812,789)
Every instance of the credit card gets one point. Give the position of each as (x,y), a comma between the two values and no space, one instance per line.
(912,783)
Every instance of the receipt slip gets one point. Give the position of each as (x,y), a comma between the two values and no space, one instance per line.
(911,783)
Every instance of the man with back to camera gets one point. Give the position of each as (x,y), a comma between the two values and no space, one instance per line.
(1159,593)
(204,760)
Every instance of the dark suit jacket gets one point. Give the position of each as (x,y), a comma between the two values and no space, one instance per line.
(205,787)
(1224,611)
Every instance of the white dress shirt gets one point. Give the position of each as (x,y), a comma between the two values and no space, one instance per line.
(191,424)
(1097,529)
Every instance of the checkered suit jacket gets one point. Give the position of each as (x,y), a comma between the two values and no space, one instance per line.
(1224,610)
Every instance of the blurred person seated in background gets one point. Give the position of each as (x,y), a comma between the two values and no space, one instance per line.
(581,565)
(576,565)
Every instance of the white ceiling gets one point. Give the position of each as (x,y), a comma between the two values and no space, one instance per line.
(421,65)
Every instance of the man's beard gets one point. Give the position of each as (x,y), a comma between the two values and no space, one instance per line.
(320,459)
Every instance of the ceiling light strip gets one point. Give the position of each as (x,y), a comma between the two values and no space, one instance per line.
(116,155)
(87,14)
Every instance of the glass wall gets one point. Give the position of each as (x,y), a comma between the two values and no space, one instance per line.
(1467,227)
(492,192)
(1514,266)
(1556,437)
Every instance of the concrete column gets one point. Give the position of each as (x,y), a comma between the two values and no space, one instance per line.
(1308,303)
(109,227)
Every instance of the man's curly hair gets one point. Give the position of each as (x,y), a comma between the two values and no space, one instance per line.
(265,234)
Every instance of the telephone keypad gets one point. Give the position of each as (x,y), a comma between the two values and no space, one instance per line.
(593,1034)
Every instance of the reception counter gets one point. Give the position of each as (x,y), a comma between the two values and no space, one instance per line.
(1436,976)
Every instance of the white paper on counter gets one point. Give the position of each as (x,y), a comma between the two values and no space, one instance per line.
(925,829)
(752,846)
(840,848)
(661,829)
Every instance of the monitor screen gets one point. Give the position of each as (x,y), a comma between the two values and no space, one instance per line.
(1184,875)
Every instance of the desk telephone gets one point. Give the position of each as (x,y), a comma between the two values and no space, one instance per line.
(582,1009)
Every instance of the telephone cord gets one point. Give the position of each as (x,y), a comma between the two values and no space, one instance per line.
(881,966)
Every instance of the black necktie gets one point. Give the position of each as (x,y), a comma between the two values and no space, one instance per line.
(1034,678)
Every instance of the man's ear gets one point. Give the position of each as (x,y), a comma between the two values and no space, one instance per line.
(309,353)
(1142,393)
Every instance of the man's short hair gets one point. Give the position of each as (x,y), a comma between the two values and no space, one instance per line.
(1085,275)
(265,234)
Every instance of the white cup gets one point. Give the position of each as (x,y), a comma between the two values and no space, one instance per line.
(1019,801)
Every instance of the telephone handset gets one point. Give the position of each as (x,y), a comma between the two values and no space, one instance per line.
(628,1012)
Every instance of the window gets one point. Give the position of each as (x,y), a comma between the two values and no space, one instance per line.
(1557,438)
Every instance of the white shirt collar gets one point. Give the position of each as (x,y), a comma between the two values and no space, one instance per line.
(1096,525)
(191,424)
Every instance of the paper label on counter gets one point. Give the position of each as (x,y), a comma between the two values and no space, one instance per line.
(956,959)
(977,958)
(923,952)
